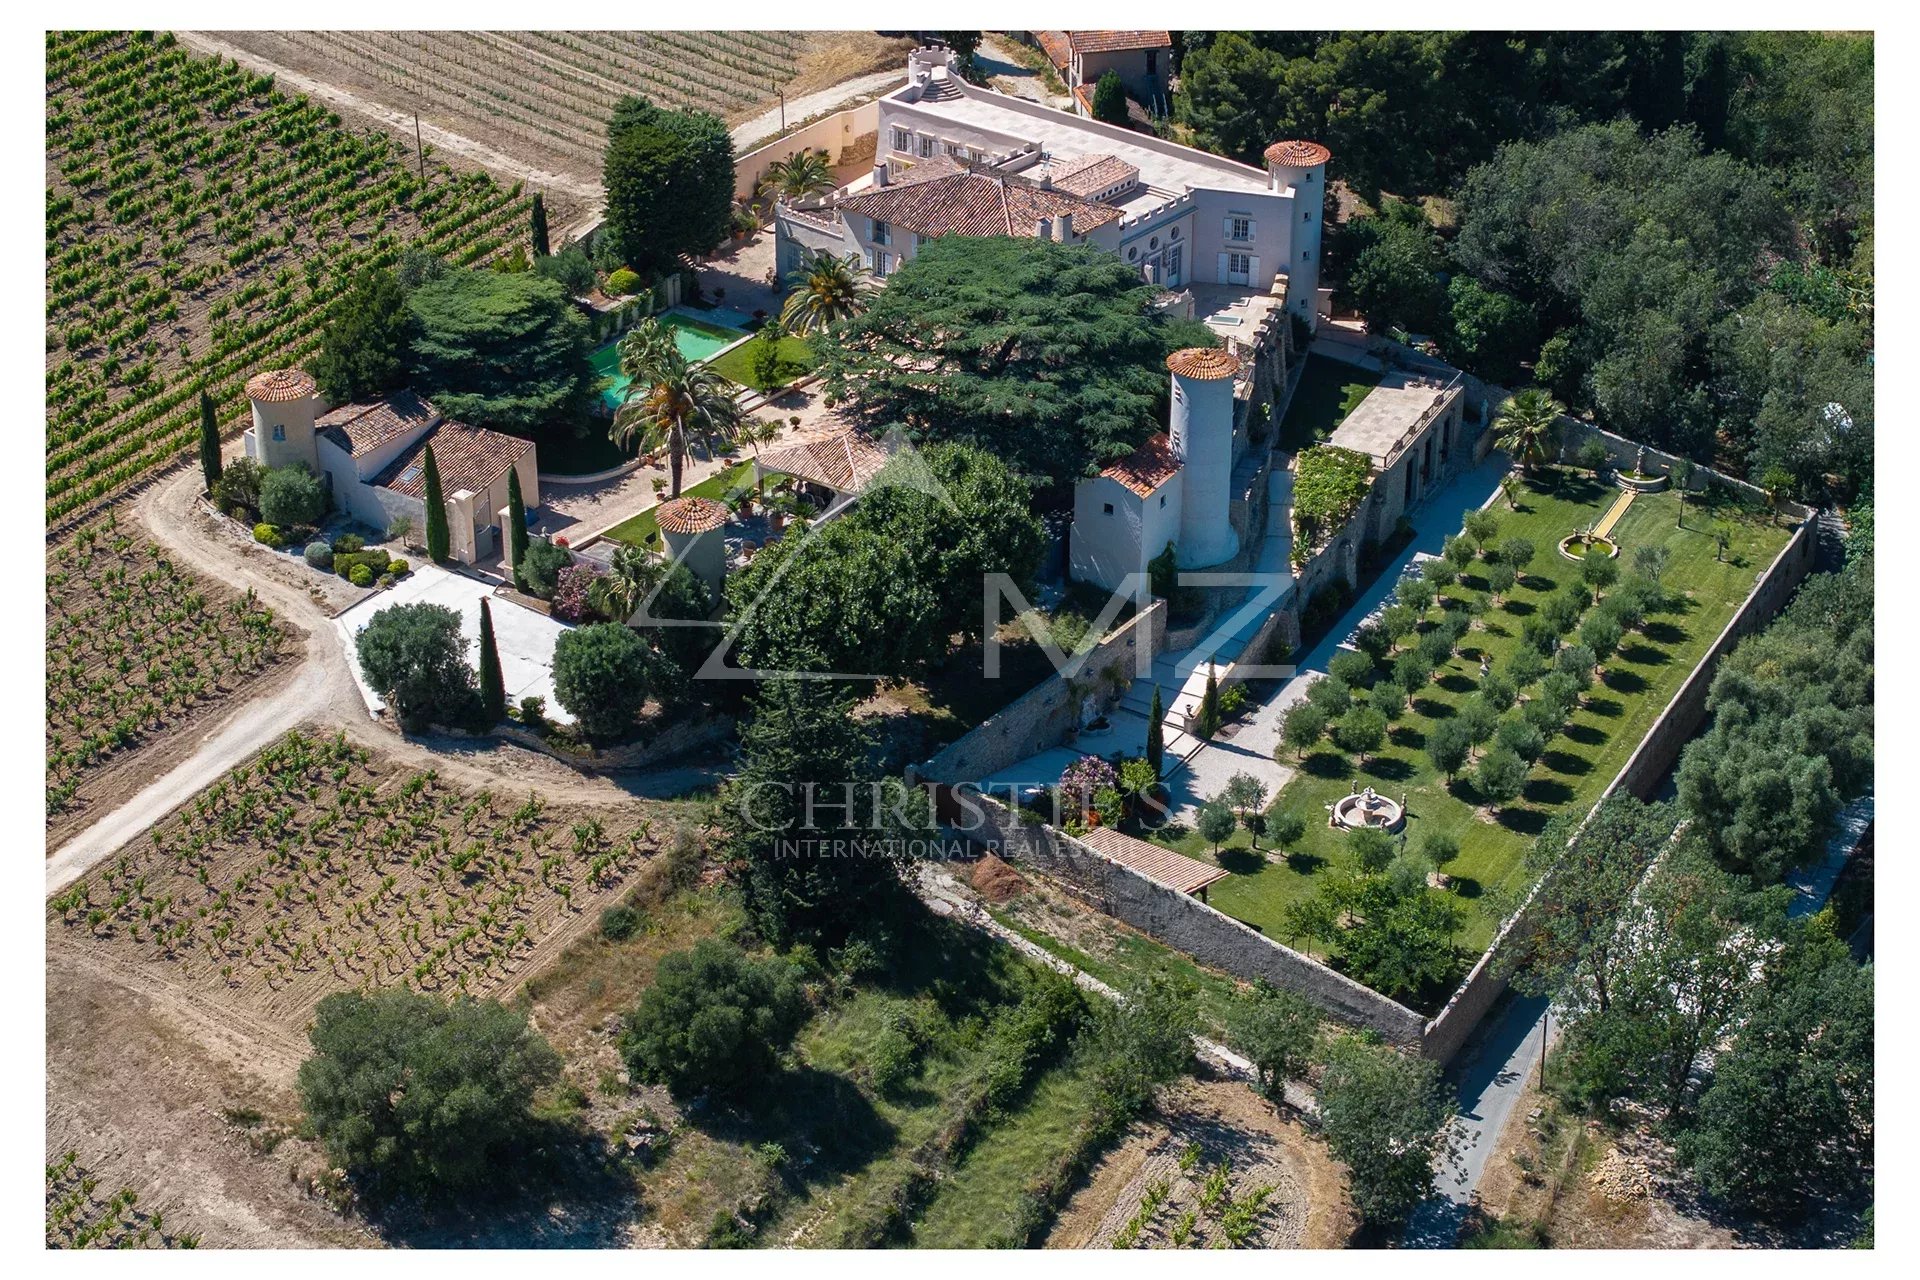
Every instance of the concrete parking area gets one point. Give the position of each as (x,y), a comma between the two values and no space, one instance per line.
(525,638)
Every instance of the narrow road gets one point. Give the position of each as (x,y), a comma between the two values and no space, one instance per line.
(764,127)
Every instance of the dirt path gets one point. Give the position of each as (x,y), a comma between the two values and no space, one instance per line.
(402,123)
(320,691)
(766,126)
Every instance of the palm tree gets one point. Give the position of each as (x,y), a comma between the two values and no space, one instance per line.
(669,401)
(799,176)
(753,433)
(1528,422)
(824,290)
(632,576)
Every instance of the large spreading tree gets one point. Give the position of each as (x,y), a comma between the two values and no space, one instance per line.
(669,183)
(1045,355)
(415,1095)
(365,345)
(501,349)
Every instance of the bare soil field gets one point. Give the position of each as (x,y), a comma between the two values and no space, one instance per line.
(320,866)
(544,97)
(1291,1193)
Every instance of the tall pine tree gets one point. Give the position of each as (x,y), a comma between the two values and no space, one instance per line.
(1156,737)
(516,524)
(437,540)
(1207,721)
(540,249)
(209,441)
(493,689)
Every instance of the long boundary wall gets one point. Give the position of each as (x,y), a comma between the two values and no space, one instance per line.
(1639,777)
(1177,919)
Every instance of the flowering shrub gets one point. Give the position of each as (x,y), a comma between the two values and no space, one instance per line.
(570,596)
(1084,779)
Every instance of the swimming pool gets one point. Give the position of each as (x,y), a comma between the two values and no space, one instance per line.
(697,338)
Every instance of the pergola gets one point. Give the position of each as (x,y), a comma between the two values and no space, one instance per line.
(1162,866)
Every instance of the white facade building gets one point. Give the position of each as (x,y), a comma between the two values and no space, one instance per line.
(1180,216)
(1173,490)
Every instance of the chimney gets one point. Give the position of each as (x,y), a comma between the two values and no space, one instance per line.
(1066,227)
(1046,181)
(880,175)
(1043,228)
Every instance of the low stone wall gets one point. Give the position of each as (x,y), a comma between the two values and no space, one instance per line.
(1639,777)
(679,739)
(1177,919)
(840,135)
(1044,716)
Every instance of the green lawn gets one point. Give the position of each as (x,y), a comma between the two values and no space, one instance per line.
(1328,391)
(642,530)
(796,361)
(1577,765)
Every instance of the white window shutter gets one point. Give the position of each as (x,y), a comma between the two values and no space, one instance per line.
(1253,229)
(1253,270)
(1221,274)
(866,256)
(1226,228)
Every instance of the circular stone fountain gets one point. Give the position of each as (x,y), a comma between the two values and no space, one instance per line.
(1368,808)
(1575,546)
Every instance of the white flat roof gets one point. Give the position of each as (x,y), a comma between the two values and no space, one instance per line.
(1166,165)
(1378,421)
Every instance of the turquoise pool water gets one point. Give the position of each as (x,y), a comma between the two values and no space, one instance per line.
(698,339)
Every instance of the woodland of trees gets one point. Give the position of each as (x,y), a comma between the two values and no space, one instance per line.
(1671,230)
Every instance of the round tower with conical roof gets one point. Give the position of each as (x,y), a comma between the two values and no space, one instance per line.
(1200,428)
(1301,167)
(691,528)
(283,409)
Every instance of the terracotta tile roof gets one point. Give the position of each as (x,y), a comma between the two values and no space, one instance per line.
(275,386)
(691,515)
(1296,153)
(362,428)
(1206,363)
(1162,866)
(1056,45)
(1118,41)
(1083,94)
(1089,175)
(976,204)
(468,458)
(844,461)
(1146,468)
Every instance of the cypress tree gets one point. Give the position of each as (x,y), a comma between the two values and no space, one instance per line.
(209,441)
(540,249)
(437,540)
(493,689)
(1156,742)
(1208,721)
(516,525)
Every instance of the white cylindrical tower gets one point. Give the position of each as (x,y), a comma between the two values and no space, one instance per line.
(283,405)
(691,527)
(1302,167)
(1200,428)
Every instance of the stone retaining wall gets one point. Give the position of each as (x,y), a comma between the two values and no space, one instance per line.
(1044,716)
(1177,919)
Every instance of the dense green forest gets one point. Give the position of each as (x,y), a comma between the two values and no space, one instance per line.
(1671,230)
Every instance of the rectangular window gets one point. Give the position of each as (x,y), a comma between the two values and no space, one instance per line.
(1242,229)
(901,141)
(880,233)
(1163,499)
(926,147)
(1238,263)
(1108,506)
(882,263)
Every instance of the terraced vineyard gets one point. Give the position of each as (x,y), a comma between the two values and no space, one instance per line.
(198,223)
(319,867)
(136,646)
(550,91)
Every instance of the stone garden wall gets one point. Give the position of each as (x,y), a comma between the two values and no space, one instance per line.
(1639,777)
(1046,715)
(1177,919)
